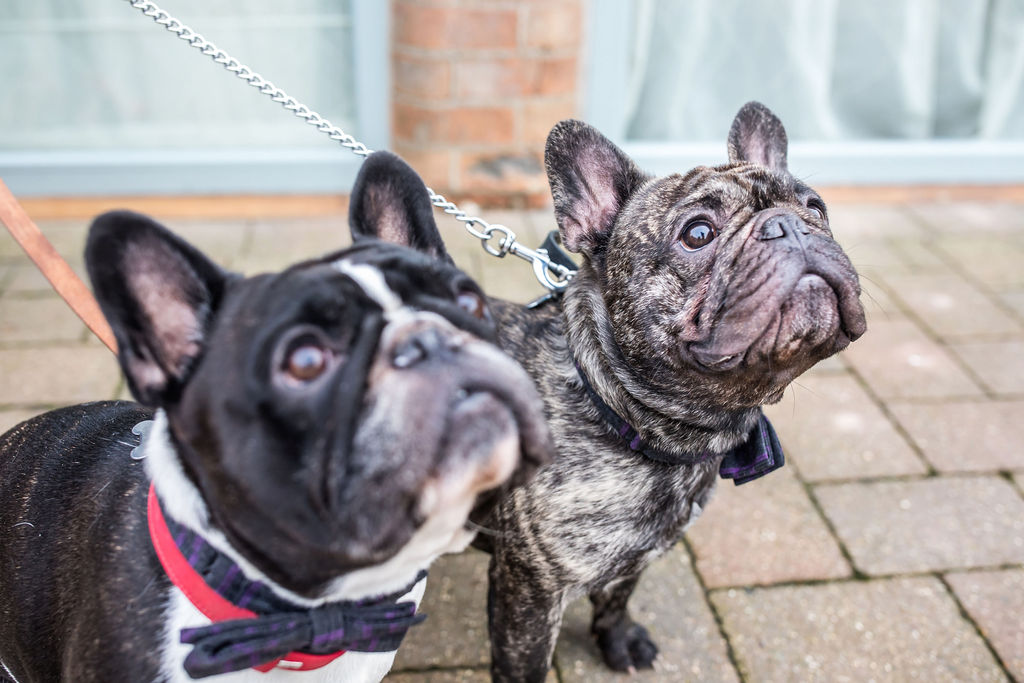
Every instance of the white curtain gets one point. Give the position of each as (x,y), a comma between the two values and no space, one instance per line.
(88,74)
(831,69)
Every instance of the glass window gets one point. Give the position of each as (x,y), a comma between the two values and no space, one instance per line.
(834,70)
(100,76)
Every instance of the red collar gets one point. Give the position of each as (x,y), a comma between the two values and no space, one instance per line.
(206,599)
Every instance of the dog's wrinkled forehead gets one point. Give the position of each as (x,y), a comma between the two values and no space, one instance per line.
(372,282)
(740,185)
(375,277)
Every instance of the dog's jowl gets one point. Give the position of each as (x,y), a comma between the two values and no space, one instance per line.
(317,437)
(701,296)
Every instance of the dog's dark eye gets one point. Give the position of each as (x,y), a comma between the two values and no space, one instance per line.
(817,207)
(472,303)
(306,361)
(696,235)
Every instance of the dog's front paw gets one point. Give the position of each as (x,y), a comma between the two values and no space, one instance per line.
(626,646)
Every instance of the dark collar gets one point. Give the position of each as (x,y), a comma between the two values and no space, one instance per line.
(760,454)
(252,626)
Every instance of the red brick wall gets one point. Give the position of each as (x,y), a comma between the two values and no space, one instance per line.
(477,86)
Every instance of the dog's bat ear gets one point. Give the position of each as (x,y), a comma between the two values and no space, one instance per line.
(757,136)
(159,295)
(591,179)
(390,202)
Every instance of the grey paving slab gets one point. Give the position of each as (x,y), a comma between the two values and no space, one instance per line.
(852,222)
(966,436)
(995,600)
(9,418)
(275,244)
(899,361)
(927,525)
(1000,365)
(916,254)
(67,237)
(455,676)
(455,633)
(221,240)
(670,603)
(830,366)
(871,256)
(38,320)
(1014,299)
(26,279)
(832,429)
(971,217)
(894,630)
(994,261)
(764,532)
(877,302)
(59,375)
(951,306)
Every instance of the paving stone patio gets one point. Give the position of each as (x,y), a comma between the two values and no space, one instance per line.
(890,548)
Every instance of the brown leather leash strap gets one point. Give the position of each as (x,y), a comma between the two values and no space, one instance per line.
(64,280)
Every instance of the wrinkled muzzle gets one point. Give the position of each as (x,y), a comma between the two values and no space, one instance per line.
(446,417)
(786,298)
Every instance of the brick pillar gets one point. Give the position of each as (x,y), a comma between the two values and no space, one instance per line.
(477,86)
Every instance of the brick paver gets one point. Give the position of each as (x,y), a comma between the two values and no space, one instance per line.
(457,676)
(1015,300)
(994,261)
(670,603)
(46,320)
(899,450)
(56,376)
(999,365)
(895,630)
(764,532)
(9,418)
(455,633)
(951,306)
(966,218)
(26,279)
(966,436)
(995,600)
(927,525)
(899,361)
(67,237)
(856,223)
(917,255)
(831,429)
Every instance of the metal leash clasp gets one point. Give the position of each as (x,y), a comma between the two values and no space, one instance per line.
(552,276)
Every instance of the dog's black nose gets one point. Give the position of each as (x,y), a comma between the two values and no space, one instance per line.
(420,345)
(782,225)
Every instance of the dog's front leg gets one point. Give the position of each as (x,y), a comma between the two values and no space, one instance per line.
(625,644)
(524,617)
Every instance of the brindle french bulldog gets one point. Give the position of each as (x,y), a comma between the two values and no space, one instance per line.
(701,296)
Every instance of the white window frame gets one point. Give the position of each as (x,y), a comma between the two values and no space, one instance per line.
(327,169)
(868,162)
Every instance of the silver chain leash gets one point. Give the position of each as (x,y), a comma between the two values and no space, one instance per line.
(497,240)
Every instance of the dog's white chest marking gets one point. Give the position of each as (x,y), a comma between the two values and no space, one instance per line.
(351,667)
(182,501)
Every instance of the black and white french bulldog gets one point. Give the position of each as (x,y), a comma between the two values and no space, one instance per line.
(318,437)
(701,296)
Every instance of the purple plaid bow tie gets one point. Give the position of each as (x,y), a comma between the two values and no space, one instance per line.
(244,643)
(760,454)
